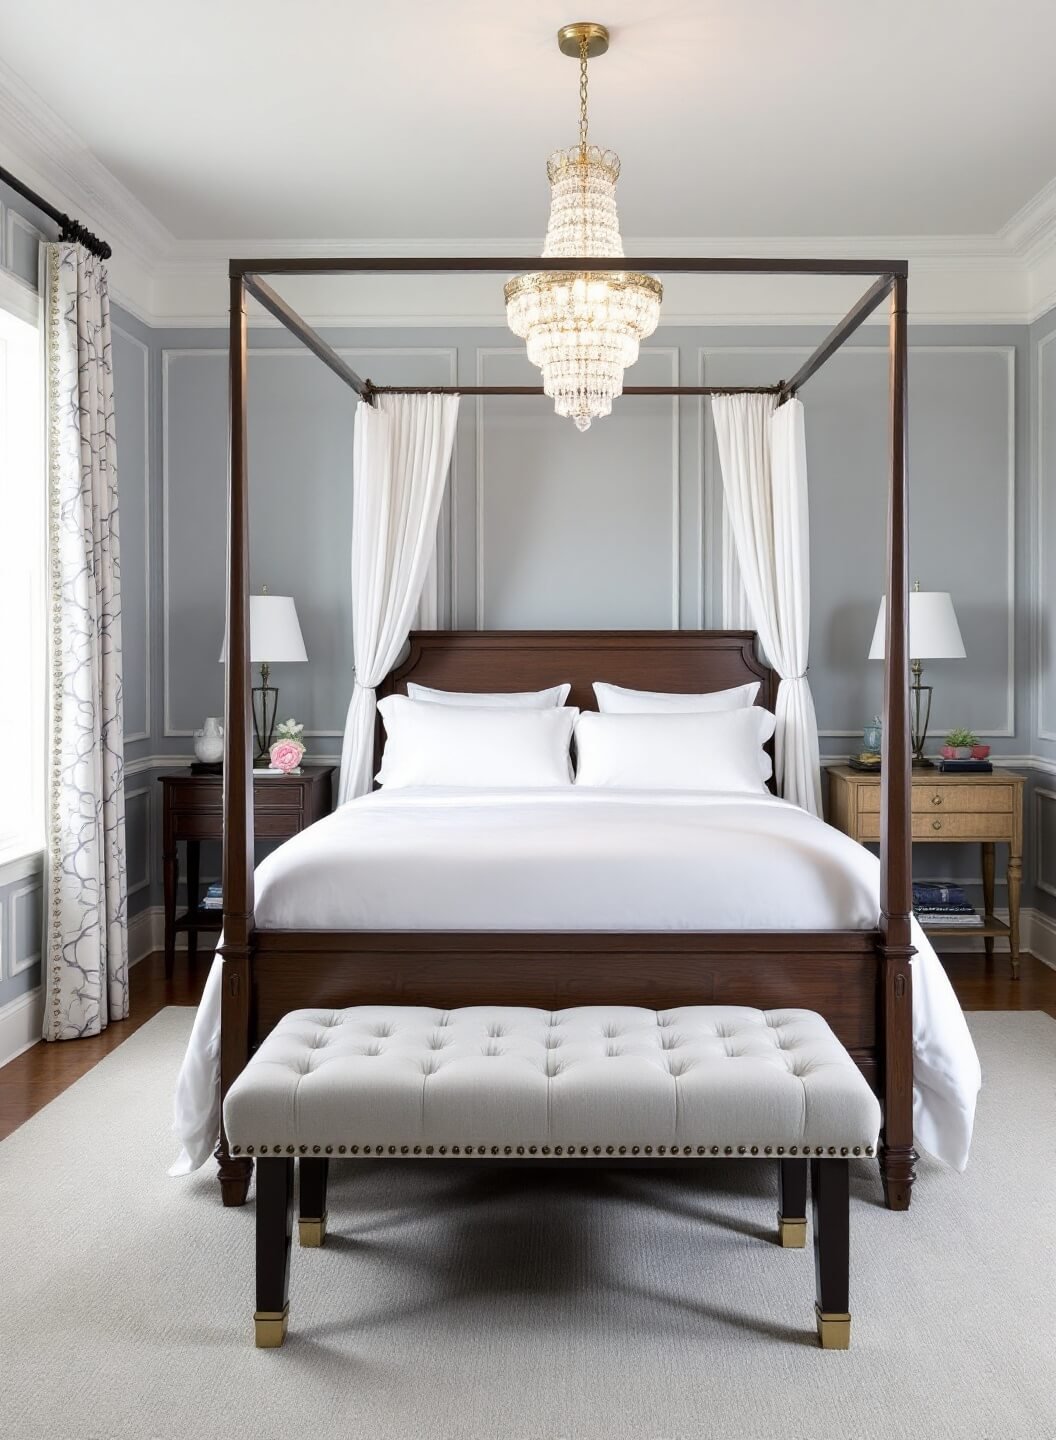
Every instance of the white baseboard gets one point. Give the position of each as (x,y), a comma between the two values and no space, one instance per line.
(22,1019)
(146,934)
(21,1022)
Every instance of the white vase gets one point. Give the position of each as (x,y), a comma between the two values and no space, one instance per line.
(209,742)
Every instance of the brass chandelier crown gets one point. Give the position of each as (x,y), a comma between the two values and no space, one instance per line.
(583,328)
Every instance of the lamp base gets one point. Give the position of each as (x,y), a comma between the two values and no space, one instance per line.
(923,763)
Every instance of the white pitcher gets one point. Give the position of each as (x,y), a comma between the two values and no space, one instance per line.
(209,741)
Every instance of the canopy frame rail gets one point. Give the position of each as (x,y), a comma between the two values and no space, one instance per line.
(247,278)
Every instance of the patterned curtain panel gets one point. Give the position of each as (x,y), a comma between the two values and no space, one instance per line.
(86,946)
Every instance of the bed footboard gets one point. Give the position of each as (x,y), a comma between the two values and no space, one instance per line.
(861,989)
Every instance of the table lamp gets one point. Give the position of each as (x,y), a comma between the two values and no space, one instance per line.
(275,633)
(933,635)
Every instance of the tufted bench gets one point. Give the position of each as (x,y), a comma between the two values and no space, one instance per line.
(608,1082)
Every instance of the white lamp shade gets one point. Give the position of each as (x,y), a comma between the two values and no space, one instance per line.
(933,630)
(274,631)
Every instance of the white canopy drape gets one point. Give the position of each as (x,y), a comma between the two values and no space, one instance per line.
(763,457)
(401,454)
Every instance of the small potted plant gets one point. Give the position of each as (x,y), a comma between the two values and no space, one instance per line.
(959,745)
(286,753)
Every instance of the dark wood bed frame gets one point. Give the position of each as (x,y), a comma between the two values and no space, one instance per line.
(861,981)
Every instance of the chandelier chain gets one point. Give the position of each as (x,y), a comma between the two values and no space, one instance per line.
(583,94)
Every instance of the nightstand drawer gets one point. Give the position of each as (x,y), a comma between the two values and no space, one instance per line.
(204,824)
(938,798)
(278,795)
(950,826)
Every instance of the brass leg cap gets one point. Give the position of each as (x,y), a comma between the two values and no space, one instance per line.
(834,1331)
(270,1327)
(792,1233)
(311,1233)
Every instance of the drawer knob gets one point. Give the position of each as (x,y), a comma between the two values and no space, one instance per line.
(936,824)
(936,799)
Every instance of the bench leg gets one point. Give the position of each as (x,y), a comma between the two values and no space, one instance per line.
(274,1231)
(792,1207)
(832,1251)
(311,1217)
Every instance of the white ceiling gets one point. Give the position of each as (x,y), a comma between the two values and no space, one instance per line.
(348,121)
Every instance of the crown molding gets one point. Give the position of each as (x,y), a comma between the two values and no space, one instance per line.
(1005,278)
(1031,232)
(39,146)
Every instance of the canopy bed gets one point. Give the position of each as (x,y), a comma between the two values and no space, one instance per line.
(860,979)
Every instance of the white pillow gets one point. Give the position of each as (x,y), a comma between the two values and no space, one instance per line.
(723,751)
(615,700)
(429,744)
(513,700)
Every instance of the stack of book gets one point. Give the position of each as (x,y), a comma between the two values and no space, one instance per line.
(943,905)
(214,898)
(966,767)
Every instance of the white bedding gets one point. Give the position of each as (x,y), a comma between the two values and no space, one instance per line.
(572,858)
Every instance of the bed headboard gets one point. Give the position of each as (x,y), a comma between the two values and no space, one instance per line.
(674,660)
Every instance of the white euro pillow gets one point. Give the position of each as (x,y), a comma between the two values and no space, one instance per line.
(479,747)
(719,752)
(512,700)
(616,700)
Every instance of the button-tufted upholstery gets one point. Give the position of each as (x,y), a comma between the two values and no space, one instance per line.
(403,1080)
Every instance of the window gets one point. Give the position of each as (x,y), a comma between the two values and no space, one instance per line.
(23,654)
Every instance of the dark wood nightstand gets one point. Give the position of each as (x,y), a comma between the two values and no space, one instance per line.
(981,810)
(283,805)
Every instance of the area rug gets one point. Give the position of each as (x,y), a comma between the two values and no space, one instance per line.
(464,1302)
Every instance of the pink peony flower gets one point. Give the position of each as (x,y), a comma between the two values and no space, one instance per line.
(286,754)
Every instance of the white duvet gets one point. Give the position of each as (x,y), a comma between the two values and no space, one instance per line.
(578,859)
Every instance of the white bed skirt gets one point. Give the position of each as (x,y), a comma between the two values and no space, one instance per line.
(595,860)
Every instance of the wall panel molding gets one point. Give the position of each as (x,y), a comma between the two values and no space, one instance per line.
(1042,797)
(169,355)
(1045,731)
(146,794)
(17,963)
(1006,727)
(483,354)
(147,568)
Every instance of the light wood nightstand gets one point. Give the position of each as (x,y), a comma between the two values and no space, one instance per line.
(981,810)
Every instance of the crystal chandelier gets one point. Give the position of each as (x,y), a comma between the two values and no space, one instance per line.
(583,327)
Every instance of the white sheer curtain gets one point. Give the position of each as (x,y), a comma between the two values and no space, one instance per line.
(401,455)
(763,456)
(85,912)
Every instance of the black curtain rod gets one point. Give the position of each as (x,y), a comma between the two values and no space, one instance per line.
(69,229)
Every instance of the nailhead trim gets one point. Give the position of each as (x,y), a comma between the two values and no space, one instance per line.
(557,1150)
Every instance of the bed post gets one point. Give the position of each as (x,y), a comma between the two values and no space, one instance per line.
(238,762)
(896,877)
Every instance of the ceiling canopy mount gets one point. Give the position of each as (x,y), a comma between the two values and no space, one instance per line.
(570,39)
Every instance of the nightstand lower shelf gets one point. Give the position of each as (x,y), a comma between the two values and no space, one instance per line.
(199,920)
(991,928)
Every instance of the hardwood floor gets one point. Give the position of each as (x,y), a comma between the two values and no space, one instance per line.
(35,1078)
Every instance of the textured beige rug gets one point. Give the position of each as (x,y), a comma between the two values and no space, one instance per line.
(462,1302)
